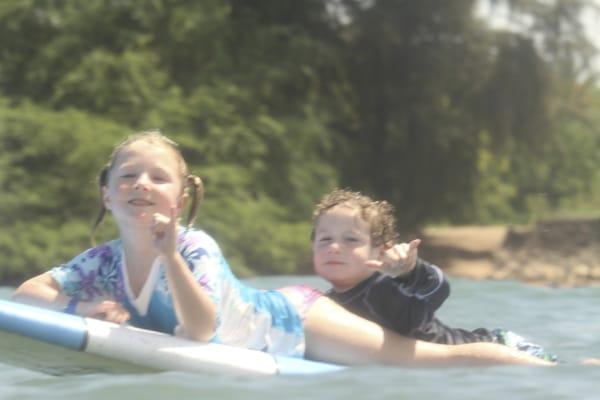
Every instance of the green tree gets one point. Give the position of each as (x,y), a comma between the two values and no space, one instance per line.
(49,195)
(276,102)
(433,87)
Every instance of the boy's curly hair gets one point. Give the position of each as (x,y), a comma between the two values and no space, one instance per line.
(378,214)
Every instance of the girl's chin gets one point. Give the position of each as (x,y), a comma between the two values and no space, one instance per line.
(141,217)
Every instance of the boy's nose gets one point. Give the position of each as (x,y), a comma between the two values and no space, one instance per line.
(334,247)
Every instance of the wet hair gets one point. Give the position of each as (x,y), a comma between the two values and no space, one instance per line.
(378,214)
(192,185)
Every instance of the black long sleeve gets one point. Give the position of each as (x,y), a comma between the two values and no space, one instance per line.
(402,304)
(407,305)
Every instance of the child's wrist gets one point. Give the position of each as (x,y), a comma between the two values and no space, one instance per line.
(400,271)
(170,258)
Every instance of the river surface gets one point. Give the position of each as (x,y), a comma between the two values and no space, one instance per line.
(565,321)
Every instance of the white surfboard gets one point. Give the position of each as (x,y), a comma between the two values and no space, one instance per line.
(58,343)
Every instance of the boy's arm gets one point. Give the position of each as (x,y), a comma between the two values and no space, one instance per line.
(403,304)
(396,260)
(418,296)
(421,278)
(427,283)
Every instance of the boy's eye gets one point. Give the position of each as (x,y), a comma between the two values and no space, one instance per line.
(324,239)
(351,239)
(128,175)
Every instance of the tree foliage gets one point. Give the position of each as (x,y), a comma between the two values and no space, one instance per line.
(276,102)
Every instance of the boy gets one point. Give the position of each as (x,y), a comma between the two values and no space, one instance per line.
(354,249)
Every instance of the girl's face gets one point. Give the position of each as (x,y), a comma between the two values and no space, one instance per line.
(145,179)
(341,246)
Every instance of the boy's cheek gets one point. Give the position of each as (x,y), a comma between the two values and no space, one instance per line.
(317,260)
(378,253)
(318,268)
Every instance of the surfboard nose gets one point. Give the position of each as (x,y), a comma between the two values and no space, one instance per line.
(42,324)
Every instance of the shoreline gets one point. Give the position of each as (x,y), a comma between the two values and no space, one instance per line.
(556,253)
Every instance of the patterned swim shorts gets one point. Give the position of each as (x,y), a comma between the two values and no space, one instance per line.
(517,342)
(302,297)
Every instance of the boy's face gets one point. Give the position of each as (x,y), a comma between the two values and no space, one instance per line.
(341,246)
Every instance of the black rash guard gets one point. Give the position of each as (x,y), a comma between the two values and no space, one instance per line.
(407,305)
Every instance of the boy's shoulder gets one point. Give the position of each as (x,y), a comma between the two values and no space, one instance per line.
(359,289)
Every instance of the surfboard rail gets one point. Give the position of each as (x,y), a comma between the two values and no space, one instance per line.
(144,348)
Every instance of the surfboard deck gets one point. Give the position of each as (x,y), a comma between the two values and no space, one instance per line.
(59,344)
(23,352)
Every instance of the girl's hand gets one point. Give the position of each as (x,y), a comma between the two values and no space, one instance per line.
(164,232)
(107,310)
(398,260)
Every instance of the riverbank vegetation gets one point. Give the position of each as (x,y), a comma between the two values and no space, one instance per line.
(276,102)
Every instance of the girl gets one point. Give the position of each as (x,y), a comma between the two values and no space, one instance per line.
(174,279)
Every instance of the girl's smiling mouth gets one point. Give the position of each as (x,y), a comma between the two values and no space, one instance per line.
(140,202)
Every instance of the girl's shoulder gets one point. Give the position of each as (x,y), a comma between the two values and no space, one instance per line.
(105,250)
(193,237)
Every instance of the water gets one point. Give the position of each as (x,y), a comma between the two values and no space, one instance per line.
(563,320)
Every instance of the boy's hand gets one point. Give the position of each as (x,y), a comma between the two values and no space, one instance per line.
(398,260)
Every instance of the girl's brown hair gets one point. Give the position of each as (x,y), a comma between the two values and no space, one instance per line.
(378,214)
(192,184)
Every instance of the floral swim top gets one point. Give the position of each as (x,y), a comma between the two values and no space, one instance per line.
(246,317)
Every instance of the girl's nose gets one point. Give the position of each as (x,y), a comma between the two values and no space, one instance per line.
(141,183)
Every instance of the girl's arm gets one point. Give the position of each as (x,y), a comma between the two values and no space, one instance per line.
(336,335)
(194,308)
(471,354)
(44,291)
(41,291)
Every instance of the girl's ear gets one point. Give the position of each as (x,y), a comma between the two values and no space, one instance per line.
(182,202)
(105,198)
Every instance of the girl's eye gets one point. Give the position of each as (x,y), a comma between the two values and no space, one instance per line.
(128,175)
(351,239)
(324,239)
(159,178)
